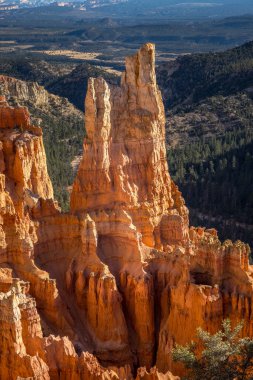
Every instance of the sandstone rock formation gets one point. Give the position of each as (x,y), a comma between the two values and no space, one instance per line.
(106,290)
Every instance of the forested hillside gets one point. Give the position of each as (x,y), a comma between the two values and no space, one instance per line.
(195,77)
(74,84)
(210,136)
(61,78)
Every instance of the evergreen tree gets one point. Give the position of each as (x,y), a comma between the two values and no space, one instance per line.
(222,356)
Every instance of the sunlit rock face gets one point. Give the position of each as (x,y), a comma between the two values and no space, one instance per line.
(106,290)
(124,165)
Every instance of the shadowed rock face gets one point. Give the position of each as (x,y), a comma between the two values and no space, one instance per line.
(112,285)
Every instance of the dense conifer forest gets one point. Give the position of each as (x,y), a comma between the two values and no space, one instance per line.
(209,100)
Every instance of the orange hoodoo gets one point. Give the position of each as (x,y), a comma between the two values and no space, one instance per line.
(114,284)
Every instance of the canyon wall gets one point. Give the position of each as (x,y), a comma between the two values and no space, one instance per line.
(107,289)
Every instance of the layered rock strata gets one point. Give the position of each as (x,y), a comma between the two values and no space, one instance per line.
(106,290)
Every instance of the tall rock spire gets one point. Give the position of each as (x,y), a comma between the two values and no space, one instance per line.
(124,160)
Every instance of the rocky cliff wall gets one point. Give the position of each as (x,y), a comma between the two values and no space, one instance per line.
(106,290)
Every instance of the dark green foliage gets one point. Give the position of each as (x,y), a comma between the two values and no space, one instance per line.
(31,69)
(216,177)
(199,76)
(73,86)
(213,165)
(63,141)
(224,356)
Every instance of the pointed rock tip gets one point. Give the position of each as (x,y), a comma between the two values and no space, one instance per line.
(140,67)
(145,52)
(149,46)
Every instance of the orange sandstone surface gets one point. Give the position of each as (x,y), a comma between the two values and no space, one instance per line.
(106,290)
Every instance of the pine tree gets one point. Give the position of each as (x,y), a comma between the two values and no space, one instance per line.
(222,356)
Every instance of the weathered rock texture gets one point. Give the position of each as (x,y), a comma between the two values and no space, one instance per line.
(33,96)
(106,290)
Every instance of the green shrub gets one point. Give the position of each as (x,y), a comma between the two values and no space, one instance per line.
(221,356)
